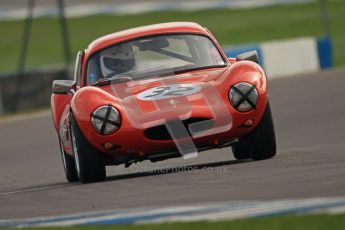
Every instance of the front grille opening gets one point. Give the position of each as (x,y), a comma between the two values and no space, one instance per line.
(161,132)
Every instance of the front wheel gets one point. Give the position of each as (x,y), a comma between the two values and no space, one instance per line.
(68,164)
(89,163)
(260,144)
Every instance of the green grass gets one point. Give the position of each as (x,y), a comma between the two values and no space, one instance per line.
(313,222)
(229,26)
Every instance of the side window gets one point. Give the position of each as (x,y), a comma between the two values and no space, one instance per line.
(77,68)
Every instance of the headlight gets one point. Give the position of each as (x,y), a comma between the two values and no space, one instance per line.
(106,120)
(243,96)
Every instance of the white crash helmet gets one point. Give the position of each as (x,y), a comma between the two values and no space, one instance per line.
(118,59)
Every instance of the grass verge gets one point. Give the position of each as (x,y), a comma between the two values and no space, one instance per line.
(305,222)
(230,27)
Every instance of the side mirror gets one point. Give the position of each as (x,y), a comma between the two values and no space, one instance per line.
(248,56)
(63,86)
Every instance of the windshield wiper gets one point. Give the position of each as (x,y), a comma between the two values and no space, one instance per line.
(108,81)
(179,71)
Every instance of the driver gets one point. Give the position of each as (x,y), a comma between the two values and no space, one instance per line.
(118,59)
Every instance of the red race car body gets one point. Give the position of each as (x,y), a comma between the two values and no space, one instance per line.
(157,92)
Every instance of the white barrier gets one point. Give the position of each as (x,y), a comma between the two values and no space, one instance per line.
(290,57)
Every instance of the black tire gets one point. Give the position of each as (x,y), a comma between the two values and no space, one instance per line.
(240,153)
(89,163)
(69,165)
(259,144)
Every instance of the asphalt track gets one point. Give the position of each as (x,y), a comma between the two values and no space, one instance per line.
(309,114)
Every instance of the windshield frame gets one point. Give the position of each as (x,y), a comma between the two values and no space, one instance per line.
(225,60)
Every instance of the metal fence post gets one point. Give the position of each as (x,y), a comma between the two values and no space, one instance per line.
(1,105)
(23,53)
(26,36)
(325,18)
(64,32)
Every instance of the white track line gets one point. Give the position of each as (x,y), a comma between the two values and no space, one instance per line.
(140,7)
(208,212)
(34,189)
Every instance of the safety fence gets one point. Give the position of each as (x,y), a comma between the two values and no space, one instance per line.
(28,91)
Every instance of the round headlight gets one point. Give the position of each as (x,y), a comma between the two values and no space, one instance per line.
(243,96)
(106,120)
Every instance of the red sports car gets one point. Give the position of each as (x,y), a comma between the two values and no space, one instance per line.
(157,92)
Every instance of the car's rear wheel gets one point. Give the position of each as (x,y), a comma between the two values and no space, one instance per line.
(260,144)
(89,163)
(68,164)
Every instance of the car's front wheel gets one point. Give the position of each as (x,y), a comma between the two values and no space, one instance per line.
(260,144)
(89,163)
(68,164)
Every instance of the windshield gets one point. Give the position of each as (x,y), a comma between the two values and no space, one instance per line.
(148,57)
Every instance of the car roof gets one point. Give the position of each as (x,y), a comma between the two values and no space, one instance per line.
(171,27)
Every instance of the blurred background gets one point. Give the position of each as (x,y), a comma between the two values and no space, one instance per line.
(40,38)
(301,45)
